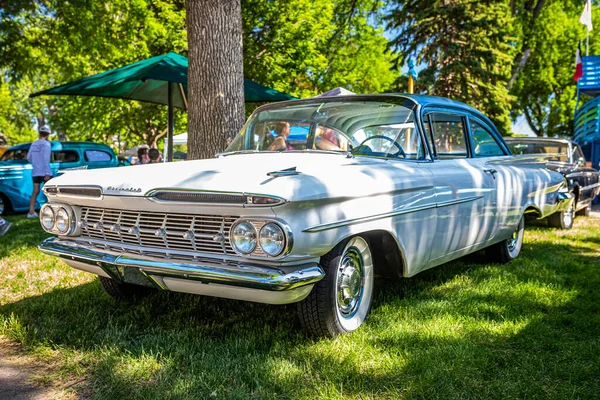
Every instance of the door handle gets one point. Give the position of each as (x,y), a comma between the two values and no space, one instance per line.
(491,171)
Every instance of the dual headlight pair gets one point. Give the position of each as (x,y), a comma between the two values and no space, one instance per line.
(57,219)
(247,236)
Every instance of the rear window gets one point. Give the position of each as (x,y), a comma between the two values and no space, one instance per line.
(96,156)
(555,151)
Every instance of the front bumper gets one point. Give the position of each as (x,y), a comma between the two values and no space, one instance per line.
(564,201)
(207,277)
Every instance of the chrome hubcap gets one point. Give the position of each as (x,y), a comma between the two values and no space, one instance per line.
(568,216)
(350,282)
(512,242)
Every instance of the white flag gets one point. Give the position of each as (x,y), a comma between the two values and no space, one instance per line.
(586,15)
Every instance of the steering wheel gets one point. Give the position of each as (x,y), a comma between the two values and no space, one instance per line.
(396,154)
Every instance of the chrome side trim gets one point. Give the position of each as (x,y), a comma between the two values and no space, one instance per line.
(333,225)
(234,274)
(457,201)
(360,220)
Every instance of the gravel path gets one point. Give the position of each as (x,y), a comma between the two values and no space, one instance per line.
(17,373)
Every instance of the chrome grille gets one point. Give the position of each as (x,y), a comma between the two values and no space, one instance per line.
(197,233)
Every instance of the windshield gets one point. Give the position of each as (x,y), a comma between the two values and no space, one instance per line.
(558,151)
(365,128)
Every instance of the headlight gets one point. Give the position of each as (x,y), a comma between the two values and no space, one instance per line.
(272,239)
(62,221)
(243,237)
(47,217)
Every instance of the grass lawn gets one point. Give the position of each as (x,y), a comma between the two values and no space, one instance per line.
(529,329)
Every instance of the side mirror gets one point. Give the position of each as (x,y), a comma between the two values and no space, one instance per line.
(581,161)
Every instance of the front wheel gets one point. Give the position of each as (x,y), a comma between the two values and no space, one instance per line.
(563,219)
(508,249)
(341,301)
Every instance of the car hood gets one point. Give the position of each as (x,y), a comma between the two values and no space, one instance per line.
(319,176)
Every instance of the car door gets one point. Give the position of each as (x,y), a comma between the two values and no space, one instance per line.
(586,177)
(64,159)
(464,191)
(500,186)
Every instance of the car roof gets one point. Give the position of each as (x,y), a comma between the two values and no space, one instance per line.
(61,145)
(416,99)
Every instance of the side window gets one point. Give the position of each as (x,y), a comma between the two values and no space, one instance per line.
(447,134)
(64,156)
(96,156)
(484,144)
(14,155)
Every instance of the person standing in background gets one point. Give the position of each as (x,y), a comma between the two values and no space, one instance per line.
(154,156)
(143,156)
(39,157)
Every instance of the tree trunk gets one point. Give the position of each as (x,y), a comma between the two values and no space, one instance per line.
(215,75)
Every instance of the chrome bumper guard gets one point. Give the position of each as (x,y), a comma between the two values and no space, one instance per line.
(139,270)
(564,200)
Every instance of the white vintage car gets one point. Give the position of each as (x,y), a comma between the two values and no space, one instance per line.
(310,201)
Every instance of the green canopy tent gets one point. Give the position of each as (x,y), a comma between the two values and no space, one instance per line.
(161,79)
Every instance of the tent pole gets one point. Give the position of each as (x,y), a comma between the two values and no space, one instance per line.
(171,126)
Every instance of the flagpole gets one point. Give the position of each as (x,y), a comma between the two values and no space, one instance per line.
(587,42)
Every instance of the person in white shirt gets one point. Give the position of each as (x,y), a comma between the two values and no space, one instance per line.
(39,157)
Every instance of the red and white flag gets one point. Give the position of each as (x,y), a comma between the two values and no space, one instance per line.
(578,65)
(586,15)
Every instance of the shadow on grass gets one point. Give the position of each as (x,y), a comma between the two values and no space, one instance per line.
(466,329)
(25,234)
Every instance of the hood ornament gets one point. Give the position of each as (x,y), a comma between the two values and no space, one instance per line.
(283,172)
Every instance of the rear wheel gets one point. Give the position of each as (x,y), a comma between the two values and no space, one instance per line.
(341,301)
(508,249)
(563,219)
(585,212)
(123,291)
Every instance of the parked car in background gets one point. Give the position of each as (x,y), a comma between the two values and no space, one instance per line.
(16,185)
(380,184)
(566,157)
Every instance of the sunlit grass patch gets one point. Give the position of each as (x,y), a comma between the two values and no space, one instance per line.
(467,329)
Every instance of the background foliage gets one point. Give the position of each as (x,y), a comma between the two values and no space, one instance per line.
(508,58)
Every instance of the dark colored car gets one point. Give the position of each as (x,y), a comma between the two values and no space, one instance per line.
(16,185)
(566,157)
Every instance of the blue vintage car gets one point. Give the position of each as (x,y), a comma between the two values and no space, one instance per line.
(15,171)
